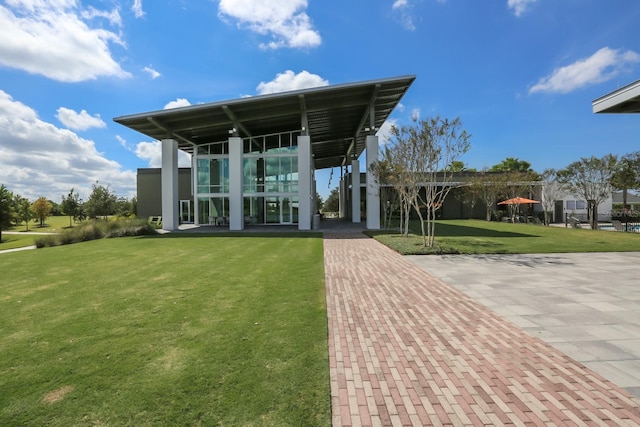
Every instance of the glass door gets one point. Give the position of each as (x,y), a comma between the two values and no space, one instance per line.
(185,211)
(286,208)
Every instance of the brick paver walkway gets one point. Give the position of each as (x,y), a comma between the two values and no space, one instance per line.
(407,349)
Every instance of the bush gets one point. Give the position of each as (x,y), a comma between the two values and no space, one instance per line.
(97,229)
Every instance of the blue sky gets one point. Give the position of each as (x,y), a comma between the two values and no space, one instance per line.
(521,74)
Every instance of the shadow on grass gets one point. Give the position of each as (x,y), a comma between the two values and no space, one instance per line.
(455,230)
(451,230)
(234,234)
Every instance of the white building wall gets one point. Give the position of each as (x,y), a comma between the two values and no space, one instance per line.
(236,202)
(169,184)
(305,183)
(355,191)
(373,189)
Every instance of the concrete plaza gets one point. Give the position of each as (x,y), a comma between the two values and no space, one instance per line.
(586,305)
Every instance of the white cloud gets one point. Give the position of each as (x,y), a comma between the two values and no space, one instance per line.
(40,159)
(519,6)
(415,114)
(400,4)
(58,39)
(152,153)
(403,12)
(290,81)
(137,9)
(123,142)
(79,121)
(384,133)
(284,21)
(112,16)
(153,73)
(179,102)
(603,65)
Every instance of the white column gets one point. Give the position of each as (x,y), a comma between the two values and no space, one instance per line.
(194,186)
(305,173)
(342,198)
(355,191)
(169,180)
(236,203)
(373,188)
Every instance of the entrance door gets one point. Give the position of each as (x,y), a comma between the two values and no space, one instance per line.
(286,210)
(185,211)
(558,212)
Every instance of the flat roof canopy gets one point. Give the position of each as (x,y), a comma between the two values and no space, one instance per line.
(335,118)
(623,100)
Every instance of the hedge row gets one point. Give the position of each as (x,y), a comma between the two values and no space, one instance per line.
(97,229)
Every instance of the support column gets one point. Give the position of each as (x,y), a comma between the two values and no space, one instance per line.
(355,191)
(305,172)
(342,208)
(194,187)
(373,187)
(169,181)
(236,202)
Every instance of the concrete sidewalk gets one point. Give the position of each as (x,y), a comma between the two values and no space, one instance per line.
(408,349)
(586,305)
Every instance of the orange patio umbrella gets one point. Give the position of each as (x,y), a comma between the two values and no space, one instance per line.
(518,201)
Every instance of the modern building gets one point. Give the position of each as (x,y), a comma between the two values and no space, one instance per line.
(253,159)
(624,100)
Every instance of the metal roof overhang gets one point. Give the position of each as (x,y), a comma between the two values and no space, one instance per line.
(623,100)
(338,118)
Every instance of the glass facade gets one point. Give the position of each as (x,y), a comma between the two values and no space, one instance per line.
(269,180)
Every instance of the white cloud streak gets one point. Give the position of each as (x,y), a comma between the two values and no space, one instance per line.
(288,80)
(519,7)
(58,39)
(603,65)
(284,21)
(79,121)
(40,159)
(403,13)
(153,73)
(137,9)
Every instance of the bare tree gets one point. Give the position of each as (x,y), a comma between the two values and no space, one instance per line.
(420,158)
(487,187)
(551,191)
(590,178)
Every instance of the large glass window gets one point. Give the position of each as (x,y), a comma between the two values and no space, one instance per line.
(213,175)
(272,144)
(270,174)
(213,210)
(271,210)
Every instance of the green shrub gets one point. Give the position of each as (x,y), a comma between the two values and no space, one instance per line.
(97,229)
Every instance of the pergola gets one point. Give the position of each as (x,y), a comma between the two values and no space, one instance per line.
(337,122)
(624,100)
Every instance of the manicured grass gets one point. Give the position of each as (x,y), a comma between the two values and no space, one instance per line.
(482,237)
(175,330)
(12,241)
(53,224)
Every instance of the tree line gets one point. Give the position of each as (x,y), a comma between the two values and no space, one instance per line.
(422,163)
(102,202)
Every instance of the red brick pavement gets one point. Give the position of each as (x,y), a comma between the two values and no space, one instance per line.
(406,349)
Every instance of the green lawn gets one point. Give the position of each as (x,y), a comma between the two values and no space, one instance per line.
(12,241)
(54,224)
(482,237)
(170,330)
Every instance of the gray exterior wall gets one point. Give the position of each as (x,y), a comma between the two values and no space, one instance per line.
(149,189)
